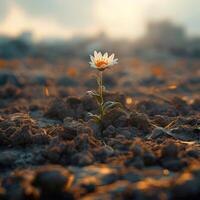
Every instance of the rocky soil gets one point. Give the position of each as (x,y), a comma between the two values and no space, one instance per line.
(51,149)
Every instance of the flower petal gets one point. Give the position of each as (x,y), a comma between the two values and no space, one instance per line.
(92,58)
(111,57)
(95,54)
(115,61)
(93,66)
(100,55)
(105,56)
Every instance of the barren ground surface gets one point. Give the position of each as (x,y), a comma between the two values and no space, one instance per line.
(51,149)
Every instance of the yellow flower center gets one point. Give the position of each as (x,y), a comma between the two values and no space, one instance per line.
(101,63)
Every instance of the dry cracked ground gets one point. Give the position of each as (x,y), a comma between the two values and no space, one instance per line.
(51,149)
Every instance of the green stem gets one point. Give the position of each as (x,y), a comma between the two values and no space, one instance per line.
(101,93)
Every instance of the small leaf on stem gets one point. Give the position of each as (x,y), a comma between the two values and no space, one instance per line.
(97,118)
(110,105)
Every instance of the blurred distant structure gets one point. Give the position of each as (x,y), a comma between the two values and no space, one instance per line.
(165,35)
(4,39)
(193,46)
(16,47)
(26,37)
(161,40)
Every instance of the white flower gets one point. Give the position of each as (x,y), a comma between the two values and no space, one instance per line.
(101,62)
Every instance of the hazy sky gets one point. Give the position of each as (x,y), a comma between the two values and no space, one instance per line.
(118,18)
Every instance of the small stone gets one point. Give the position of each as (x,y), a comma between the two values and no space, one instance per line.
(2,194)
(170,151)
(84,142)
(109,178)
(3,139)
(187,190)
(110,131)
(149,159)
(173,164)
(82,159)
(181,105)
(153,108)
(19,187)
(73,102)
(193,153)
(112,118)
(137,150)
(132,177)
(89,103)
(96,129)
(196,105)
(51,180)
(89,187)
(58,110)
(140,121)
(186,133)
(137,162)
(103,152)
(8,158)
(121,121)
(160,120)
(22,137)
(71,128)
(41,138)
(9,77)
(127,134)
(158,133)
(10,91)
(53,154)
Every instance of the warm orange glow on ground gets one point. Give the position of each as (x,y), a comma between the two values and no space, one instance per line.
(149,183)
(172,87)
(158,70)
(46,91)
(129,101)
(72,72)
(166,172)
(70,181)
(136,62)
(3,63)
(184,177)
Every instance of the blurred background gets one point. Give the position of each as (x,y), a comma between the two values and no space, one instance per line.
(50,40)
(128,27)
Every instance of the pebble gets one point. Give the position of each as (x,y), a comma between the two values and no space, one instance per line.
(140,121)
(149,159)
(137,150)
(8,158)
(9,77)
(173,164)
(170,151)
(110,131)
(82,159)
(22,137)
(48,176)
(58,110)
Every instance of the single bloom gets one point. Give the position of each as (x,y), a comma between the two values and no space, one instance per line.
(101,62)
